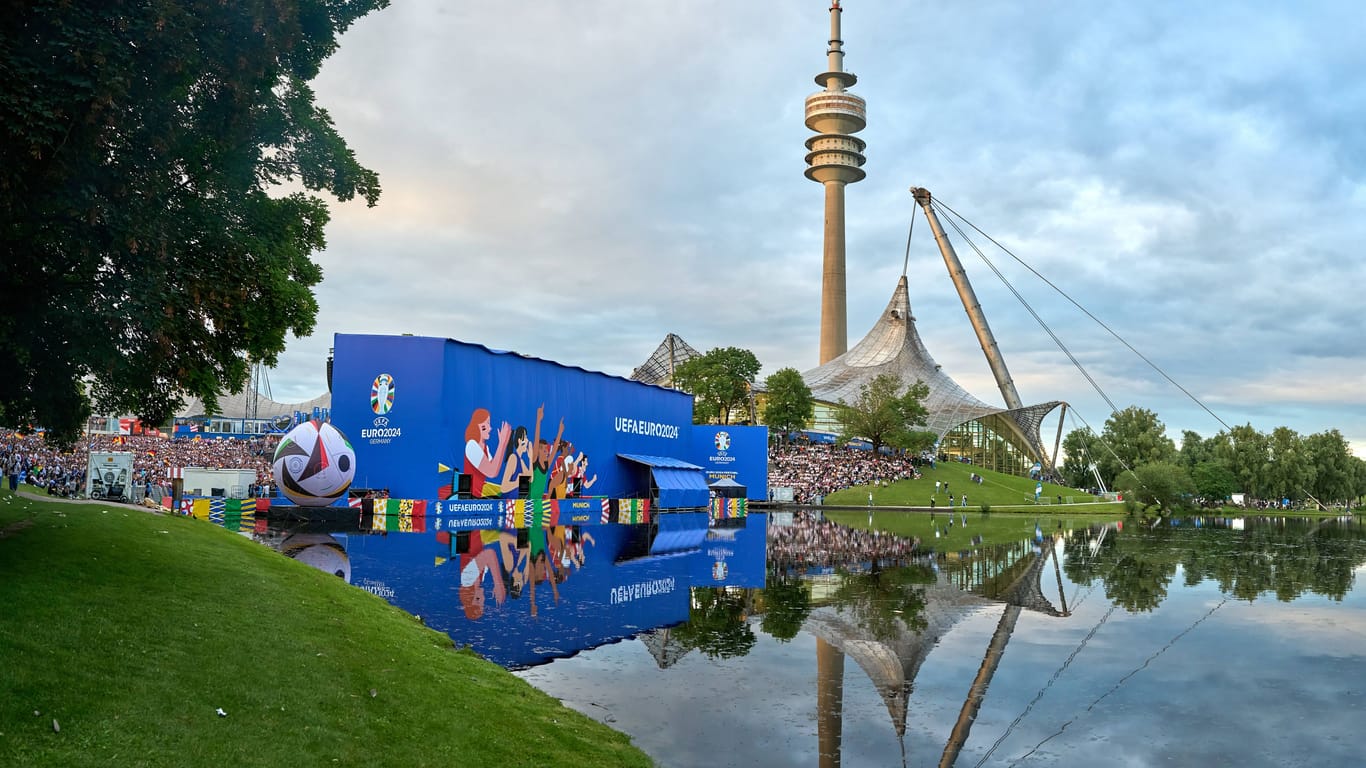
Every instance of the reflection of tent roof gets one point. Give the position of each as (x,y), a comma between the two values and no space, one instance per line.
(659,368)
(893,346)
(663,647)
(727,488)
(892,664)
(234,406)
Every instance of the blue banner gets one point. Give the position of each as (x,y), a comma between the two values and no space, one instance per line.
(421,411)
(737,453)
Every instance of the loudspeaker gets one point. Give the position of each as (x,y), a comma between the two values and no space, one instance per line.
(464,486)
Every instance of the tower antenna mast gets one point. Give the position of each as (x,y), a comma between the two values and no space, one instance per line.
(834,158)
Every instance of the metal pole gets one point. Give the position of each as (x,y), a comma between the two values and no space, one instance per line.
(970,303)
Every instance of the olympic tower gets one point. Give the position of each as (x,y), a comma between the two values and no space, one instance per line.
(834,158)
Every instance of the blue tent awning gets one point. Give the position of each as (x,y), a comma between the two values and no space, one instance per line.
(679,484)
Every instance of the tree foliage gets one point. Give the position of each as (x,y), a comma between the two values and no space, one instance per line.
(1081,448)
(719,381)
(1245,452)
(790,405)
(1135,437)
(1213,481)
(1332,461)
(884,414)
(147,251)
(1161,484)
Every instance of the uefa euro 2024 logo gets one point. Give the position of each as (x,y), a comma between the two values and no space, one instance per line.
(382,394)
(722,441)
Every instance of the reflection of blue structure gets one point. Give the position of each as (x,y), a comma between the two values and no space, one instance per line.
(608,584)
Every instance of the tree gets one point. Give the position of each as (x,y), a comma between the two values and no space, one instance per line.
(1082,449)
(1159,483)
(1195,450)
(1358,486)
(720,381)
(790,406)
(883,413)
(1213,480)
(1135,437)
(1289,470)
(1245,452)
(1331,457)
(148,251)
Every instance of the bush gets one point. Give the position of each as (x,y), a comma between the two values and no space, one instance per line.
(986,510)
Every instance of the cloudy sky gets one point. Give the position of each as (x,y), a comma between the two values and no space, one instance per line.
(575,180)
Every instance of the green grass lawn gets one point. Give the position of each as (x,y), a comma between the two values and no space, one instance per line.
(1011,499)
(997,490)
(124,632)
(994,528)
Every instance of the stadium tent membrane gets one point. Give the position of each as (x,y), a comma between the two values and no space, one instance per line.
(678,484)
(893,346)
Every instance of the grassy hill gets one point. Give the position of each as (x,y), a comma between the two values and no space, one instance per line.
(997,490)
(124,633)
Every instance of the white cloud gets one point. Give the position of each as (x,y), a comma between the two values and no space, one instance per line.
(575,182)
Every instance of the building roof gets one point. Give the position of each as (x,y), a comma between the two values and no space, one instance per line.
(893,346)
(672,352)
(235,406)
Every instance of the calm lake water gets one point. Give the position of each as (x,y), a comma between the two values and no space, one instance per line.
(1193,644)
(1201,642)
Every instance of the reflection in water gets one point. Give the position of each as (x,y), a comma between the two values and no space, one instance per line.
(1009,655)
(1287,557)
(1059,652)
(717,623)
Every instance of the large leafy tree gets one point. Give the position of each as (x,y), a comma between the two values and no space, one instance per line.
(148,252)
(1081,448)
(720,382)
(1213,481)
(1245,451)
(1160,484)
(1290,470)
(790,405)
(886,412)
(1135,437)
(1332,460)
(1195,450)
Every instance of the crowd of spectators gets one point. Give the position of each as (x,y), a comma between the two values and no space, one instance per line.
(812,540)
(41,464)
(814,471)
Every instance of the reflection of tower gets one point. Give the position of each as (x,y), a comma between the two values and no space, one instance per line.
(835,158)
(829,702)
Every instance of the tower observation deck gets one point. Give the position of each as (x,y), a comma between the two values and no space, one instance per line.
(834,158)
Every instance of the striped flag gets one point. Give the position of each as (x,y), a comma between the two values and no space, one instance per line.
(633,510)
(419,519)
